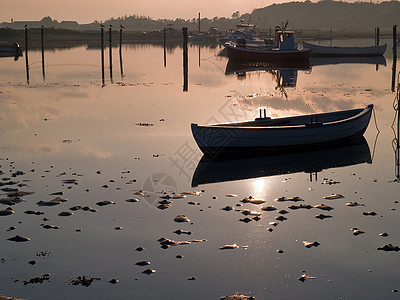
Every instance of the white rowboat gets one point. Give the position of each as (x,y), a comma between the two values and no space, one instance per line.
(282,134)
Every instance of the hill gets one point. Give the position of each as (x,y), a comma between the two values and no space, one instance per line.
(325,14)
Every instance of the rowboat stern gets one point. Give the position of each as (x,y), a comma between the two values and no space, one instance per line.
(195,129)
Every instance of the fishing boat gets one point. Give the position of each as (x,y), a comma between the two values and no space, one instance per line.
(282,133)
(287,50)
(243,166)
(318,50)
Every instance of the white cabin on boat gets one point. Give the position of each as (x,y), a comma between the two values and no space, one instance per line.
(286,40)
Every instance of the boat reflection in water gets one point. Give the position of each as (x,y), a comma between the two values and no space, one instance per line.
(284,72)
(371,60)
(240,167)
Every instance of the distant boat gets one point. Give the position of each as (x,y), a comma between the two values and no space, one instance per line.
(241,167)
(287,50)
(318,50)
(10,50)
(282,134)
(197,38)
(245,32)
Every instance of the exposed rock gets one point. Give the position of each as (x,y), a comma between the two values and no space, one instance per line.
(322,216)
(323,207)
(142,263)
(237,297)
(105,202)
(19,239)
(232,246)
(357,231)
(389,247)
(334,196)
(268,208)
(181,219)
(55,201)
(6,212)
(284,199)
(311,244)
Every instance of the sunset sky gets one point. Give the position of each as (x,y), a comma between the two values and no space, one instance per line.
(86,11)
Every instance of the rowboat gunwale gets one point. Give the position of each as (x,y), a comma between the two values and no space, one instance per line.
(236,125)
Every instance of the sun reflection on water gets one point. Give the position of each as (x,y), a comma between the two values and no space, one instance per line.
(260,187)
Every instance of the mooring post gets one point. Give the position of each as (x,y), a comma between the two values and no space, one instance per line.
(377,36)
(110,46)
(395,41)
(185,59)
(199,55)
(199,22)
(102,53)
(394,57)
(398,133)
(165,47)
(26,53)
(42,42)
(120,50)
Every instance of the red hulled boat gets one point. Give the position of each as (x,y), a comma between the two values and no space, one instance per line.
(286,50)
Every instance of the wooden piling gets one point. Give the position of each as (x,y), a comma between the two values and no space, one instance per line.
(395,41)
(26,54)
(185,59)
(397,156)
(120,51)
(199,23)
(42,43)
(394,57)
(377,36)
(102,53)
(165,47)
(110,48)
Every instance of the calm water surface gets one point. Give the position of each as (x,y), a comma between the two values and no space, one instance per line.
(132,133)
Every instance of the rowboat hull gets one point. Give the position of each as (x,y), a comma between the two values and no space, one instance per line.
(318,50)
(265,54)
(282,134)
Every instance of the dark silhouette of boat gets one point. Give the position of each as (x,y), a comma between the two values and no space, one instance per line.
(287,50)
(244,166)
(323,61)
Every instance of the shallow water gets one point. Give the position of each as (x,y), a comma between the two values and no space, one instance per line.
(133,133)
